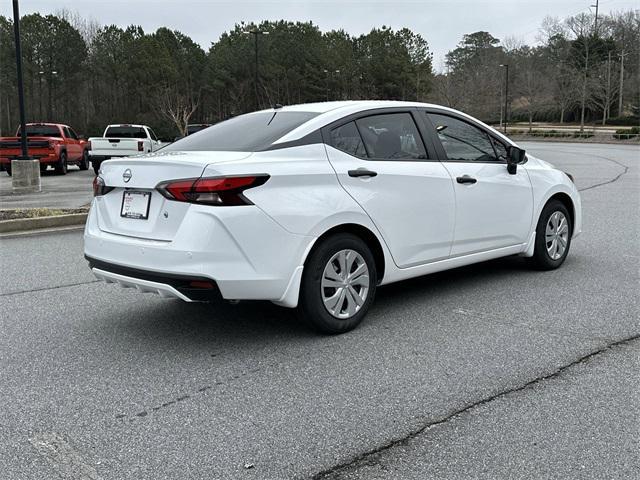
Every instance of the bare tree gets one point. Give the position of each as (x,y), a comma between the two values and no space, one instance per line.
(581,26)
(176,105)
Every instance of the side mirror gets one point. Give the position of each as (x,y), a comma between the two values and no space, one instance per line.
(515,156)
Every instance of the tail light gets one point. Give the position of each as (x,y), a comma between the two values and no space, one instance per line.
(100,188)
(140,146)
(219,191)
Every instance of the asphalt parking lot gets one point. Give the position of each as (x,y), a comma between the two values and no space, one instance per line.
(72,190)
(488,371)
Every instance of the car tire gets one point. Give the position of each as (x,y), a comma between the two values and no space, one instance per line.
(8,169)
(337,309)
(84,161)
(96,166)
(61,166)
(43,168)
(553,237)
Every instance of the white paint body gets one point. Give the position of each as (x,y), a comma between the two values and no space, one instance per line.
(424,221)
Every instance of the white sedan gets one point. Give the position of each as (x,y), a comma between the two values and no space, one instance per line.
(314,206)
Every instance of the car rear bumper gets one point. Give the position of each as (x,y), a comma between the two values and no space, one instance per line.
(248,257)
(187,288)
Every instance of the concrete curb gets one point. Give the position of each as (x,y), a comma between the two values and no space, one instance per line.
(25,224)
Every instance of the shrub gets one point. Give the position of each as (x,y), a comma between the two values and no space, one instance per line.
(626,133)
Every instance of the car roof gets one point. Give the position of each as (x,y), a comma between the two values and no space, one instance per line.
(329,112)
(126,125)
(47,124)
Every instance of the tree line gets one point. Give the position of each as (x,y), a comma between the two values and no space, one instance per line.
(88,75)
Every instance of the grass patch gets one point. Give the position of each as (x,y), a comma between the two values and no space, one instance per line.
(38,212)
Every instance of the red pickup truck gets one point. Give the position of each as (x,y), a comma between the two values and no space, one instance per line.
(52,143)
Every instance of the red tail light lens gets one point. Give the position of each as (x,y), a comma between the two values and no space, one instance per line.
(140,146)
(100,188)
(220,191)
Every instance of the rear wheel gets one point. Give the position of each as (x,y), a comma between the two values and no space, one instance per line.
(84,162)
(338,284)
(553,236)
(96,165)
(43,167)
(7,169)
(61,166)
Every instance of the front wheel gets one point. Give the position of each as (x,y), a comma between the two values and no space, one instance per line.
(61,166)
(338,284)
(553,236)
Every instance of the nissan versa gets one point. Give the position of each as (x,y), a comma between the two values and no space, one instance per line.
(314,206)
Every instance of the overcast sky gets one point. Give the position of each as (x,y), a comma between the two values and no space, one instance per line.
(441,22)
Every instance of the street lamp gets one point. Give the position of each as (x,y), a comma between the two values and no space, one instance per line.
(506,95)
(255,32)
(52,75)
(326,83)
(25,170)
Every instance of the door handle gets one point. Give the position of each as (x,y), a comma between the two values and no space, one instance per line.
(466,179)
(362,172)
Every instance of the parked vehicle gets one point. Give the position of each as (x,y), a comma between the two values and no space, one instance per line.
(53,144)
(122,140)
(314,206)
(193,128)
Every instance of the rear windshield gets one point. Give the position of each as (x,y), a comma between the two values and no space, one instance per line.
(41,131)
(125,132)
(245,133)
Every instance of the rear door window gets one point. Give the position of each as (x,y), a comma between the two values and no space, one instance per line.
(392,136)
(347,139)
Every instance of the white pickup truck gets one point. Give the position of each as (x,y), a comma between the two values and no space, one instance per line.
(122,141)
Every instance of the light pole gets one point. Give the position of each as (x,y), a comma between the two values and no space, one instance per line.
(40,74)
(255,32)
(326,82)
(52,75)
(506,95)
(25,170)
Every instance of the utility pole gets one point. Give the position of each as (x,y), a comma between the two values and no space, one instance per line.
(621,83)
(606,114)
(255,32)
(506,95)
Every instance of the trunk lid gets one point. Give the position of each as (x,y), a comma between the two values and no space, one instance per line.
(146,172)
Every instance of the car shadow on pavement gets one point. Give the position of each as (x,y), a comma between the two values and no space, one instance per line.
(172,322)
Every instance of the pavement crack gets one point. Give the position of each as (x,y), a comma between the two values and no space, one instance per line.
(369,457)
(607,182)
(42,289)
